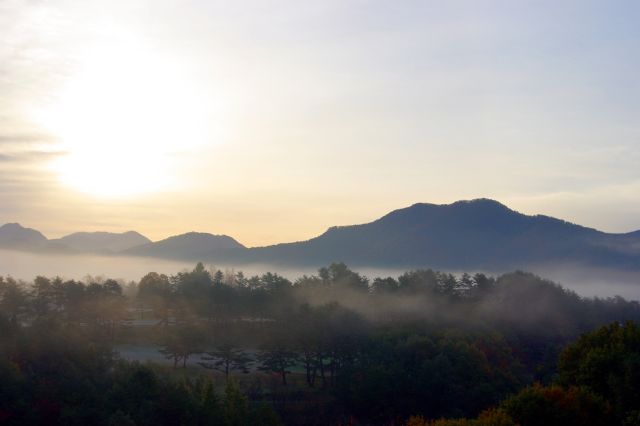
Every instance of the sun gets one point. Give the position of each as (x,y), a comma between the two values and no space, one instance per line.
(122,119)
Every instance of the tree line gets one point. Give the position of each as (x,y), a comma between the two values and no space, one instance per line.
(336,347)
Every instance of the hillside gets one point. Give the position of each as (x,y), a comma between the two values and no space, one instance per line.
(102,242)
(192,245)
(466,234)
(477,234)
(14,235)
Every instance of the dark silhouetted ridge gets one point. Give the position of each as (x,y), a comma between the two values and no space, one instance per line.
(14,235)
(481,233)
(103,242)
(473,234)
(192,245)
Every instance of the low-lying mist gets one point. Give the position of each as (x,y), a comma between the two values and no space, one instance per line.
(584,280)
(332,331)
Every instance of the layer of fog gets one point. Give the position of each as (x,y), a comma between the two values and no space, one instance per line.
(586,281)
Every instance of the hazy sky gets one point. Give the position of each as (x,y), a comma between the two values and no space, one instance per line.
(272,120)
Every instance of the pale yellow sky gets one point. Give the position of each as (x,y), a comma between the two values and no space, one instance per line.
(272,120)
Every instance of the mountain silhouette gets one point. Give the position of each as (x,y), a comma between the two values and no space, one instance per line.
(192,245)
(14,235)
(477,234)
(101,242)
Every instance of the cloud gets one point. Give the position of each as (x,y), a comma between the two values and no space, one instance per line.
(11,139)
(27,149)
(30,157)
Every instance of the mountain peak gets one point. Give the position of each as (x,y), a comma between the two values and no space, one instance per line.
(480,202)
(475,210)
(103,242)
(12,226)
(476,203)
(14,234)
(190,245)
(194,235)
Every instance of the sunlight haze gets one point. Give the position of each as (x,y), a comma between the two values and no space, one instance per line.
(271,121)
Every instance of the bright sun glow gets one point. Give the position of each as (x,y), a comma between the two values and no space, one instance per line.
(122,119)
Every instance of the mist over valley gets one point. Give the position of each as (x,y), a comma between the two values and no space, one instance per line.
(333,213)
(467,236)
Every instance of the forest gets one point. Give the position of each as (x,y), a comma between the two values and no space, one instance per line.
(333,348)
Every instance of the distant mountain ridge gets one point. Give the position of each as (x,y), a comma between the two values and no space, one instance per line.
(475,234)
(105,242)
(192,245)
(15,236)
(479,233)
